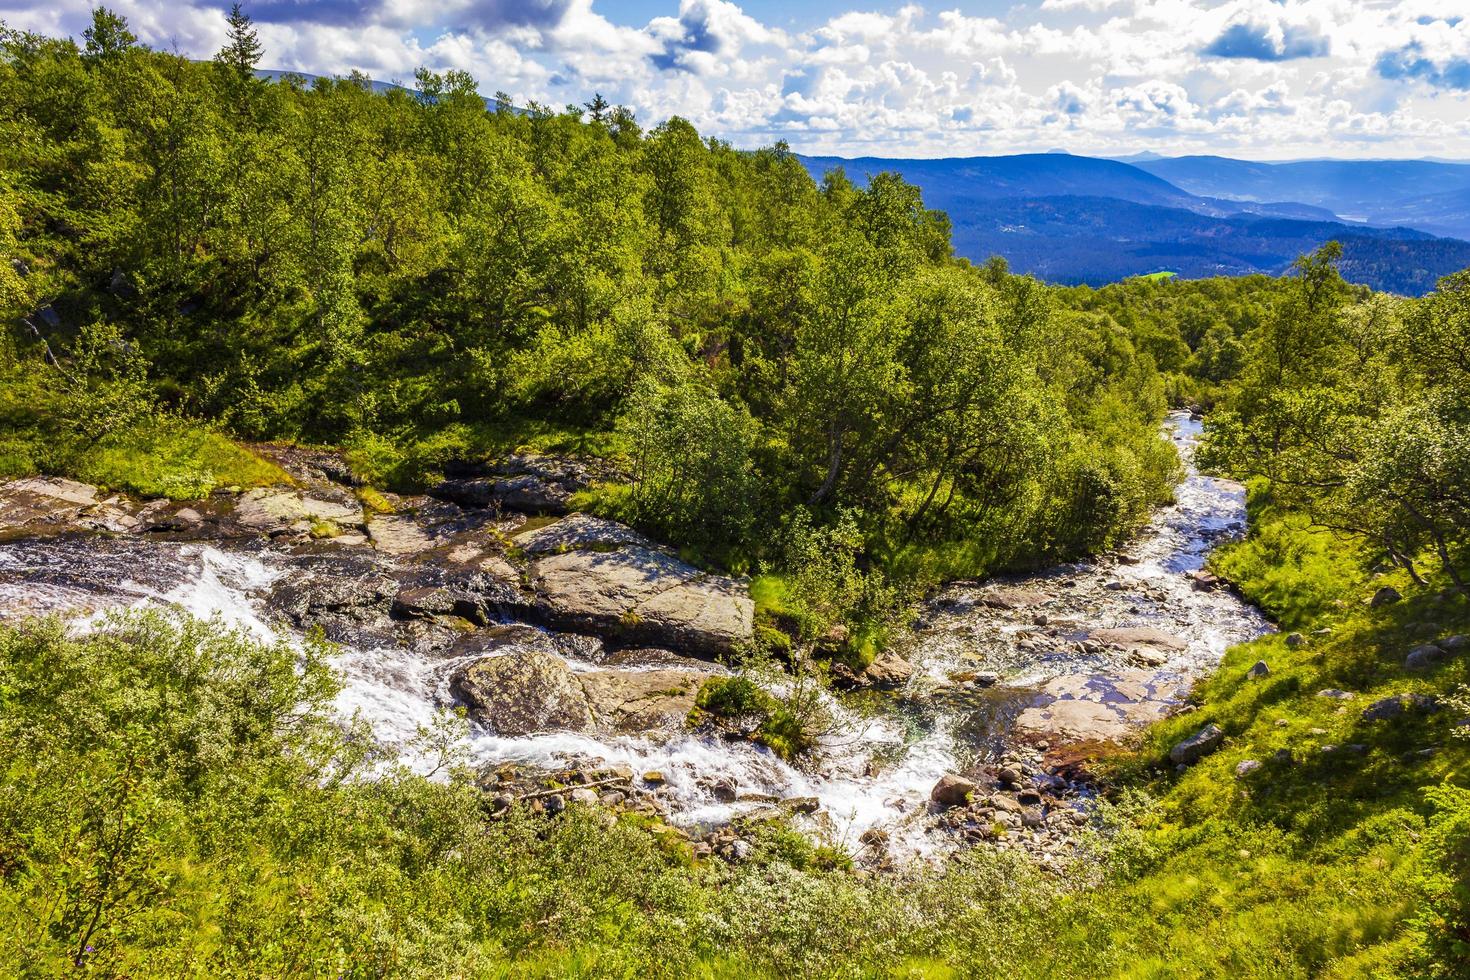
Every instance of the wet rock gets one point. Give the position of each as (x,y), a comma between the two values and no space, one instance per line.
(1400,704)
(523,693)
(1384,597)
(724,790)
(1203,581)
(802,804)
(654,778)
(1198,745)
(986,678)
(530,483)
(874,837)
(1128,637)
(430,601)
(889,671)
(1258,669)
(640,702)
(952,790)
(1245,767)
(1011,599)
(41,502)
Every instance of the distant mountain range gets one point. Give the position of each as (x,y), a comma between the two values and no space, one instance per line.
(1075,219)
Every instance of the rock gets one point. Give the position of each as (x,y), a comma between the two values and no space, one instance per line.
(1384,597)
(1245,767)
(1198,745)
(1258,669)
(524,692)
(1128,637)
(430,601)
(1009,777)
(986,678)
(1012,598)
(802,804)
(654,778)
(1003,804)
(1032,817)
(640,702)
(952,790)
(643,595)
(724,790)
(553,805)
(1424,657)
(529,483)
(1203,581)
(1454,644)
(1399,704)
(1028,797)
(874,837)
(274,510)
(1295,640)
(889,671)
(578,532)
(736,850)
(584,796)
(41,502)
(1336,695)
(397,534)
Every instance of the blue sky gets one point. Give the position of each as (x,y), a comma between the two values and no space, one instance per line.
(1260,79)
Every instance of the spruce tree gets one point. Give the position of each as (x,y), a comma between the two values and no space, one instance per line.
(243,51)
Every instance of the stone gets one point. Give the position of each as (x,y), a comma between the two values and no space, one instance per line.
(889,670)
(1384,597)
(952,790)
(1400,704)
(1245,767)
(578,532)
(397,534)
(654,778)
(524,692)
(1032,817)
(584,796)
(802,804)
(1003,804)
(1010,599)
(644,595)
(1198,745)
(1203,581)
(1424,657)
(274,510)
(1128,637)
(553,805)
(1259,669)
(874,837)
(1295,640)
(724,790)
(525,482)
(640,702)
(1009,777)
(1454,644)
(986,678)
(1336,694)
(1028,797)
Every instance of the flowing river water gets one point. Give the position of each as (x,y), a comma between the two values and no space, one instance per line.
(1059,674)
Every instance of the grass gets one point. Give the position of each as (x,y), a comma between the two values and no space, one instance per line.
(174,459)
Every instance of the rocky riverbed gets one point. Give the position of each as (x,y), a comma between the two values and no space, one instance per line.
(578,646)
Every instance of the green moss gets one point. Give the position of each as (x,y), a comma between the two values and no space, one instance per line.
(173,460)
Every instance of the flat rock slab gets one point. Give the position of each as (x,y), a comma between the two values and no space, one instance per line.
(271,509)
(395,534)
(1100,708)
(1128,637)
(599,576)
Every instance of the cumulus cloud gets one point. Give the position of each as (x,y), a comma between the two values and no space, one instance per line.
(1101,76)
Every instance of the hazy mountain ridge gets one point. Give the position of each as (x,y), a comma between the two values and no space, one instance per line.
(1075,219)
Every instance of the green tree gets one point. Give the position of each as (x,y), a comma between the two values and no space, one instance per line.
(108,36)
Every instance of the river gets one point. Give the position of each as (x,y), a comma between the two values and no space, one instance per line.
(1059,675)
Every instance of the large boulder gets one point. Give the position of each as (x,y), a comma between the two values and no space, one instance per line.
(952,790)
(889,671)
(524,693)
(1197,746)
(530,690)
(44,504)
(600,577)
(1400,704)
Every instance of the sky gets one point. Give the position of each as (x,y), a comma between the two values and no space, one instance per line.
(1256,79)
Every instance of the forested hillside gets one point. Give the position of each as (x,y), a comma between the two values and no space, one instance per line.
(422,281)
(795,382)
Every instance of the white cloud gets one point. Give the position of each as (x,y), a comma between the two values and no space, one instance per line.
(1259,77)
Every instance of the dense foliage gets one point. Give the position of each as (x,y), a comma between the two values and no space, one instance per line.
(420,278)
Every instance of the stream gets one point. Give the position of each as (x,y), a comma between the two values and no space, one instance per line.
(1083,652)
